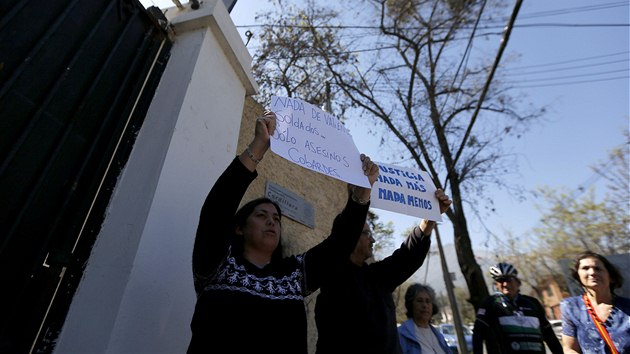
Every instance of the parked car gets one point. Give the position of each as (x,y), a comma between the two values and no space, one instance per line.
(448,330)
(557,327)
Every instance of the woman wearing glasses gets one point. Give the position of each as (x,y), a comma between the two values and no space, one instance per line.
(355,311)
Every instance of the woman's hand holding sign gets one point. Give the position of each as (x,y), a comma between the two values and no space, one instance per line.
(445,201)
(426,226)
(361,195)
(253,154)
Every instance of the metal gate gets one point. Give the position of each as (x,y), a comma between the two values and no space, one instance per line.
(76,80)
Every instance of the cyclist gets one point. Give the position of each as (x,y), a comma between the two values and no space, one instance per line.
(510,322)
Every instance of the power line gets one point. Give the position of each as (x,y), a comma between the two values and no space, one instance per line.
(374,49)
(465,57)
(572,82)
(573,60)
(576,9)
(571,25)
(573,76)
(357,36)
(499,22)
(535,72)
(414,28)
(567,68)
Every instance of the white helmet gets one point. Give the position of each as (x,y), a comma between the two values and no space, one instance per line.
(503,270)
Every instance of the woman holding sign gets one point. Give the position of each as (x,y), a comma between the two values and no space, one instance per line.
(250,297)
(355,311)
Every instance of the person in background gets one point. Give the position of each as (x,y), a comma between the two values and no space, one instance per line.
(417,334)
(598,321)
(250,299)
(510,322)
(355,310)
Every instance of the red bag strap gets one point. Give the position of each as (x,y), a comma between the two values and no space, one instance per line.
(598,323)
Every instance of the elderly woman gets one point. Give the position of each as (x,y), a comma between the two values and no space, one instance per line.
(417,335)
(597,321)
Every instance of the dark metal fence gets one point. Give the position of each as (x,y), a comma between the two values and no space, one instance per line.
(76,80)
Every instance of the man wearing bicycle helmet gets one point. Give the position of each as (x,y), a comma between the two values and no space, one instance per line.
(509,322)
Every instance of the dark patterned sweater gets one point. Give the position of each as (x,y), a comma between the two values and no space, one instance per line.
(246,309)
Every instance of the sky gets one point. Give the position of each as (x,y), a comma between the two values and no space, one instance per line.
(574,58)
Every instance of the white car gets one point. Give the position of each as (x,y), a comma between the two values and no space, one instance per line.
(557,328)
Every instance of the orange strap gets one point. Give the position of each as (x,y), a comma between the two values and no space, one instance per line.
(598,323)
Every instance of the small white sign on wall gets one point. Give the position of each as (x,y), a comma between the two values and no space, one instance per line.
(291,204)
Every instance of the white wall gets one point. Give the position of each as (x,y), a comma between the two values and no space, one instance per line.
(137,293)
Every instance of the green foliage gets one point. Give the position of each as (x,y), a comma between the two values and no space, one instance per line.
(466,309)
(399,301)
(383,233)
(572,224)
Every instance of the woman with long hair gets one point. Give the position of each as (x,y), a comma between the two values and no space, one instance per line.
(598,321)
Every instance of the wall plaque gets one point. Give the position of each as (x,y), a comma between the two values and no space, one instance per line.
(292,205)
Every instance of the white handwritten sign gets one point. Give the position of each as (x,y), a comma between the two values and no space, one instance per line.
(406,191)
(314,139)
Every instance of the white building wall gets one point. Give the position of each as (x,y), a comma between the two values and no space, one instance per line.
(137,293)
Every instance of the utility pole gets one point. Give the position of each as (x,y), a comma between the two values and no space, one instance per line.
(457,320)
(461,342)
(328,99)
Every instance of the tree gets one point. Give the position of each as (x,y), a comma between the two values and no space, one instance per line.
(615,172)
(413,84)
(413,88)
(573,225)
(287,65)
(570,225)
(532,259)
(383,233)
(399,301)
(465,308)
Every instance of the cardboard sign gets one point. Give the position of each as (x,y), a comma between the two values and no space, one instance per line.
(314,139)
(406,191)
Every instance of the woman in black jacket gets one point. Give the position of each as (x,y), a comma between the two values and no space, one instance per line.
(249,297)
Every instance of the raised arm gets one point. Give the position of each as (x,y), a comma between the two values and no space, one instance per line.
(254,152)
(346,230)
(426,226)
(400,265)
(361,195)
(215,226)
